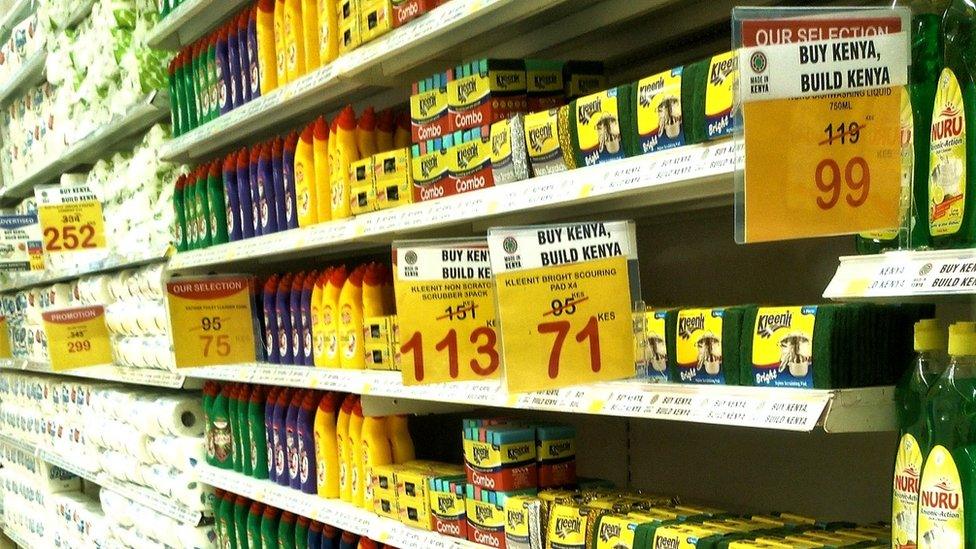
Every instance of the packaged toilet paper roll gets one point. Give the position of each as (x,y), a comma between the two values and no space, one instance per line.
(181,453)
(169,415)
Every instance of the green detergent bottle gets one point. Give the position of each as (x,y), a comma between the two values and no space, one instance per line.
(947,506)
(242,507)
(254,517)
(223,439)
(286,531)
(202,216)
(244,430)
(256,432)
(301,532)
(216,499)
(225,520)
(952,170)
(269,528)
(179,208)
(913,445)
(190,210)
(216,205)
(233,410)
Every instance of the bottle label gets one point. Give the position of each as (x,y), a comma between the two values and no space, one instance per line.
(598,127)
(254,455)
(904,500)
(230,220)
(723,71)
(940,506)
(223,440)
(659,111)
(782,347)
(699,346)
(947,158)
(907,132)
(351,335)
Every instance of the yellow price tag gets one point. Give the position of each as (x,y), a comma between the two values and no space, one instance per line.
(566,325)
(446,311)
(77,337)
(72,227)
(822,125)
(212,320)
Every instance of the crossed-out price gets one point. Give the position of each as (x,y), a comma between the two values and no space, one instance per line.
(478,344)
(589,334)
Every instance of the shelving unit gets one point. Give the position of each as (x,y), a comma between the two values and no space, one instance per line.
(701,173)
(336,513)
(191,20)
(30,74)
(108,372)
(108,264)
(15,537)
(89,149)
(18,12)
(139,494)
(836,411)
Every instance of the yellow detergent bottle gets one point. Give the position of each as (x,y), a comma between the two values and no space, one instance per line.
(401,443)
(267,57)
(356,453)
(318,332)
(326,446)
(366,134)
(328,31)
(376,451)
(281,65)
(330,317)
(344,452)
(320,150)
(346,152)
(306,186)
(374,298)
(294,40)
(351,349)
(310,33)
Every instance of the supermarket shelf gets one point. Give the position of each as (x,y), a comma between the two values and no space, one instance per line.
(89,149)
(454,31)
(329,511)
(15,537)
(18,12)
(836,411)
(30,74)
(78,15)
(905,274)
(696,173)
(110,263)
(139,494)
(108,372)
(191,20)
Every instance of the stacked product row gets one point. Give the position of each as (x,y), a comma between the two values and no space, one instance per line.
(269,45)
(26,39)
(150,439)
(134,315)
(245,523)
(299,180)
(46,506)
(315,442)
(823,346)
(94,73)
(333,318)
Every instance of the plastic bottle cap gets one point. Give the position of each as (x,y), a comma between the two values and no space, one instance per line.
(962,339)
(929,335)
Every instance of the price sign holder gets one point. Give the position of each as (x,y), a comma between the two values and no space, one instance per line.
(212,320)
(77,337)
(564,297)
(71,218)
(20,243)
(821,121)
(446,304)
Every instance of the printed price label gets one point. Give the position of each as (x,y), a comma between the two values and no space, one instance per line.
(77,337)
(832,85)
(21,248)
(446,310)
(564,300)
(212,320)
(71,218)
(4,339)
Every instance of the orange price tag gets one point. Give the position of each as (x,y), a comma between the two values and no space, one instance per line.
(564,302)
(212,320)
(77,337)
(821,106)
(446,311)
